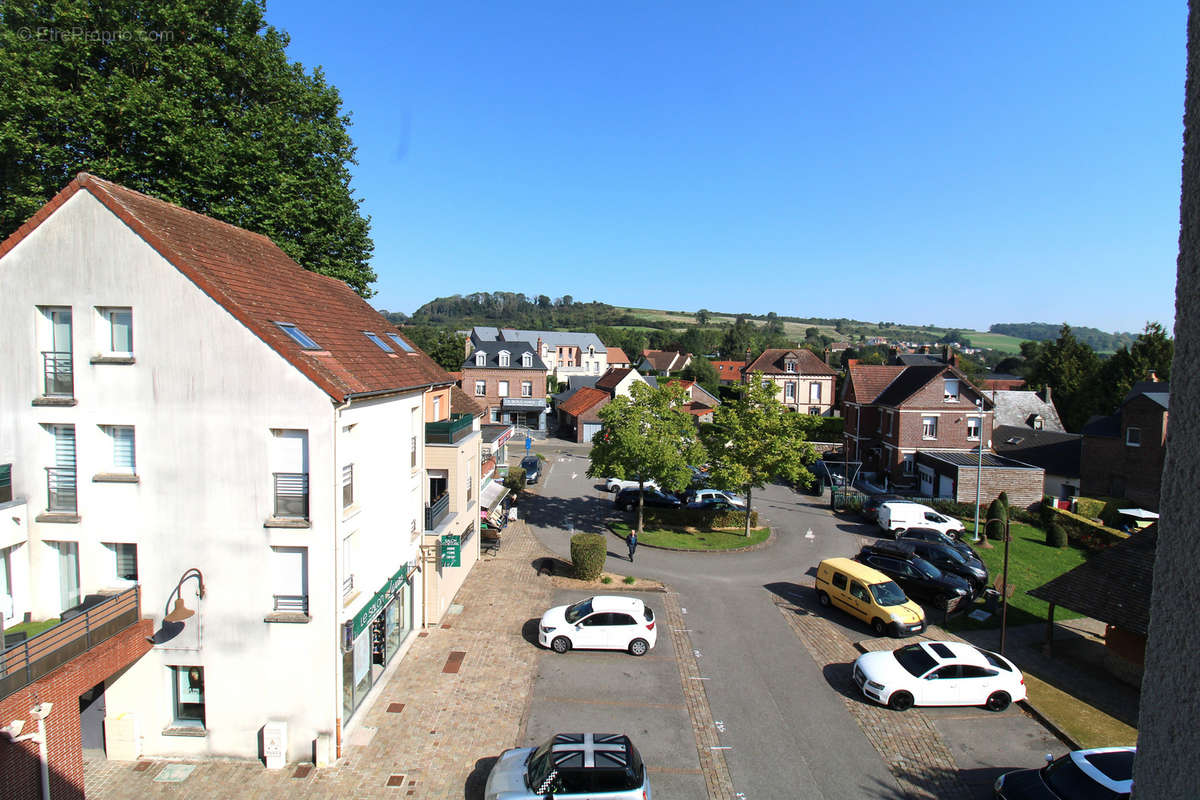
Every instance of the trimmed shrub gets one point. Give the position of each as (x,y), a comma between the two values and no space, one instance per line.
(997,510)
(588,551)
(1046,513)
(1083,531)
(1111,515)
(1089,507)
(1056,535)
(994,529)
(514,481)
(1003,498)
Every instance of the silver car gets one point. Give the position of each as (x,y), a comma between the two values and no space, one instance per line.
(591,765)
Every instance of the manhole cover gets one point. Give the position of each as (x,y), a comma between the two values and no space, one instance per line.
(174,773)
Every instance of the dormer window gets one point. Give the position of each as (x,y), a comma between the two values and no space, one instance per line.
(591,350)
(480,359)
(526,359)
(379,342)
(1036,422)
(298,336)
(504,358)
(789,366)
(950,390)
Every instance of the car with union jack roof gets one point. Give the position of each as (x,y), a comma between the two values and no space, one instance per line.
(582,765)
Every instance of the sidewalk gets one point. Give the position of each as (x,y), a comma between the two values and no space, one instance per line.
(431,733)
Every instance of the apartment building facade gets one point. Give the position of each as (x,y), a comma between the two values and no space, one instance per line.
(188,409)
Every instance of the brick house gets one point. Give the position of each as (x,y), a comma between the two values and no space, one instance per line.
(729,372)
(921,427)
(1123,454)
(804,383)
(564,353)
(508,378)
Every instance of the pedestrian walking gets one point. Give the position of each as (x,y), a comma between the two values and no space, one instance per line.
(632,542)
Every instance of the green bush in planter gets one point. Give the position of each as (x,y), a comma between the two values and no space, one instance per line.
(588,551)
(1003,498)
(1056,535)
(995,529)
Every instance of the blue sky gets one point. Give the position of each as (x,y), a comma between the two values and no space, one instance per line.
(956,164)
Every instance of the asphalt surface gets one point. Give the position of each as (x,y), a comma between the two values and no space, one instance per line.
(781,714)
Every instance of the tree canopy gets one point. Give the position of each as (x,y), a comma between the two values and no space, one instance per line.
(647,436)
(754,439)
(704,373)
(194,102)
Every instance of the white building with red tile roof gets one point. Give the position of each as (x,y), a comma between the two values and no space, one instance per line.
(180,395)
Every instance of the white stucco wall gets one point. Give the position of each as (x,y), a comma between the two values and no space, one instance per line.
(203,395)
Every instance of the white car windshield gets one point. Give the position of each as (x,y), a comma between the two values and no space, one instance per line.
(578,611)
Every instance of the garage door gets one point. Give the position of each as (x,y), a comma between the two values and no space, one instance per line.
(945,486)
(590,429)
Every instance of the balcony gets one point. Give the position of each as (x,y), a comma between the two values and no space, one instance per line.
(448,431)
(61,497)
(32,659)
(436,511)
(291,495)
(59,373)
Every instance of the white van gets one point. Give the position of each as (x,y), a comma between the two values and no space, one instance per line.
(896,517)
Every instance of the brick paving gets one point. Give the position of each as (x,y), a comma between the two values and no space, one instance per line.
(452,726)
(908,743)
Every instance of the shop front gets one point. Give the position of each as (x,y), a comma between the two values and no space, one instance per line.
(371,640)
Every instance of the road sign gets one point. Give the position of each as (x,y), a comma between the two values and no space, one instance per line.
(528,443)
(451,550)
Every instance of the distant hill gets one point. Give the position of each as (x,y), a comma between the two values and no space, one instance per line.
(1094,338)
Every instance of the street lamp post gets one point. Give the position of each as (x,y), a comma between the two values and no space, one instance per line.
(979,473)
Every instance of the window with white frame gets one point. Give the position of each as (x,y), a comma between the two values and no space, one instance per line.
(116,331)
(1133,436)
(814,392)
(289,471)
(974,428)
(480,359)
(502,391)
(789,366)
(950,390)
(348,565)
(929,427)
(124,561)
(494,415)
(504,358)
(480,388)
(789,391)
(526,388)
(121,438)
(187,696)
(526,359)
(289,579)
(437,407)
(347,486)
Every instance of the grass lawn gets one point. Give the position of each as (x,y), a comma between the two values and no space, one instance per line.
(1086,725)
(693,539)
(32,629)
(1030,564)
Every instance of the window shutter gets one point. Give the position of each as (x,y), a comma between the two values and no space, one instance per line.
(123,450)
(290,571)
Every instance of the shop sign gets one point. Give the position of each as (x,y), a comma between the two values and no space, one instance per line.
(364,617)
(503,438)
(451,550)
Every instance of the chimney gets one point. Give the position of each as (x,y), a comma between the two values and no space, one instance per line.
(952,357)
(1046,395)
(1152,376)
(747,356)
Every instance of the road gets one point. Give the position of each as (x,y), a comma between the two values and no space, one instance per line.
(777,670)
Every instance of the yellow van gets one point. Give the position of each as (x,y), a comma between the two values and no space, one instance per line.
(869,595)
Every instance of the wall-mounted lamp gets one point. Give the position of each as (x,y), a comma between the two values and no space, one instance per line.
(181,612)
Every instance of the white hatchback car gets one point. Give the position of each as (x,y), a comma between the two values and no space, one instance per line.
(599,623)
(939,674)
(615,485)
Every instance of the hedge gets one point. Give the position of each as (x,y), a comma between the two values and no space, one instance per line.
(588,551)
(698,518)
(1092,507)
(830,429)
(1083,531)
(966,511)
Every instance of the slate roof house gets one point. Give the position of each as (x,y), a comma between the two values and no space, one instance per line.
(188,415)
(508,378)
(1028,429)
(1123,453)
(803,382)
(564,353)
(662,362)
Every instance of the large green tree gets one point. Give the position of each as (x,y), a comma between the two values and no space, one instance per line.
(647,436)
(755,439)
(1071,369)
(191,101)
(701,370)
(1152,351)
(447,348)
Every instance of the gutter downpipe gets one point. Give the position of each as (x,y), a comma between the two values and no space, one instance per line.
(338,408)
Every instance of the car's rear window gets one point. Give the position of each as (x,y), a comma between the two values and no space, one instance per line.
(995,660)
(1117,765)
(649,614)
(1067,780)
(914,659)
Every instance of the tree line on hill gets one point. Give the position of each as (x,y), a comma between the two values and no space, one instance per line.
(1094,338)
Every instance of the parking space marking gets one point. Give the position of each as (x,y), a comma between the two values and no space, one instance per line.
(629,704)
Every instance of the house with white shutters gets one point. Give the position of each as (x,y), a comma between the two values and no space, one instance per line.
(184,409)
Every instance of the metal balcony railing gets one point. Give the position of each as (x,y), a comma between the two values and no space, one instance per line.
(24,663)
(61,495)
(436,511)
(347,585)
(448,431)
(293,603)
(60,375)
(291,495)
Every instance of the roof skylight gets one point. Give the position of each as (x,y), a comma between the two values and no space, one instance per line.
(299,336)
(374,337)
(403,345)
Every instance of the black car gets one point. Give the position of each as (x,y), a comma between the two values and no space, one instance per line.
(533,468)
(918,578)
(948,558)
(934,535)
(1102,772)
(626,499)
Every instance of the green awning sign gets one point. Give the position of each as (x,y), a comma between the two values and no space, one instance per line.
(451,550)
